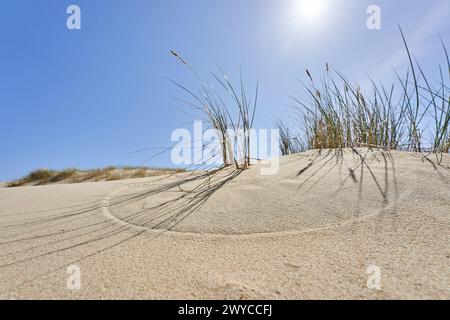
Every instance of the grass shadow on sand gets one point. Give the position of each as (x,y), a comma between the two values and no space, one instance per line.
(163,217)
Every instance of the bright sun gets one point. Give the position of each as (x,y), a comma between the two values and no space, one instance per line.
(310,9)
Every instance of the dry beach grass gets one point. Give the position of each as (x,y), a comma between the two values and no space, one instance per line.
(46,176)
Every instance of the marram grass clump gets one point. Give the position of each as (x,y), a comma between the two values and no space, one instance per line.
(412,114)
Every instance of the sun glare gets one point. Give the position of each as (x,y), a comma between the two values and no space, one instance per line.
(310,9)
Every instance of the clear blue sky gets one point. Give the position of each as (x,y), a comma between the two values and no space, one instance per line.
(86,98)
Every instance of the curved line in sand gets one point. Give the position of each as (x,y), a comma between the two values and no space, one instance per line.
(105,203)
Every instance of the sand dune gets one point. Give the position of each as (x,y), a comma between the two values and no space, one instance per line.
(311,231)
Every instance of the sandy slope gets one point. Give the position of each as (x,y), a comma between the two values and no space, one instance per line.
(311,231)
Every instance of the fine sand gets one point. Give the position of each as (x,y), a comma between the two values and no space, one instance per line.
(311,232)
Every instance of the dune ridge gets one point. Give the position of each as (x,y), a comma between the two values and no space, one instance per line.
(310,231)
